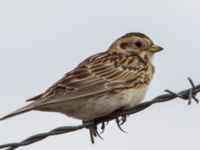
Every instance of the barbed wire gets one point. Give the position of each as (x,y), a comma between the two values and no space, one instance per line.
(119,116)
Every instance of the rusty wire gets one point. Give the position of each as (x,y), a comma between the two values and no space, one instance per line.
(188,94)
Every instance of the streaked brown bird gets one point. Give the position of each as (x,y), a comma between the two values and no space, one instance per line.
(115,79)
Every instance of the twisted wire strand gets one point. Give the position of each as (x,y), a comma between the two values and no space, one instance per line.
(188,94)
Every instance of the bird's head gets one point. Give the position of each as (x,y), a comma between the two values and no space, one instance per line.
(135,43)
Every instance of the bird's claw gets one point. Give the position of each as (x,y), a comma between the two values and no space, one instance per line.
(119,124)
(120,120)
(94,130)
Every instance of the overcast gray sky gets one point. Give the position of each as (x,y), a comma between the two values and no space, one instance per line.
(40,40)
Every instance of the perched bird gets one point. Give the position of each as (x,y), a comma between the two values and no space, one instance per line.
(115,79)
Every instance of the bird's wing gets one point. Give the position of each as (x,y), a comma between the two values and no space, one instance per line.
(100,73)
(97,74)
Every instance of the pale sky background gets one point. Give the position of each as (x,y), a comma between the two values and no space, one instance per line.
(40,40)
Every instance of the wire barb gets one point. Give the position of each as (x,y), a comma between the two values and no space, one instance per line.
(188,94)
(191,95)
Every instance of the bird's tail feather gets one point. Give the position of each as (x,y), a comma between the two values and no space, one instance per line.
(24,109)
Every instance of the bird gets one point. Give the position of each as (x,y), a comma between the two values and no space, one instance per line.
(117,78)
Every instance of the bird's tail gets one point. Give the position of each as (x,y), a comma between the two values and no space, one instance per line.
(24,109)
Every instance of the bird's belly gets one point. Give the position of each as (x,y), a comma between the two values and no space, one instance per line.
(100,105)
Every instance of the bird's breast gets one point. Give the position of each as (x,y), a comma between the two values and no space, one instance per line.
(132,97)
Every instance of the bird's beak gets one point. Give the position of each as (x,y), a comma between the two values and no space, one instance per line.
(155,48)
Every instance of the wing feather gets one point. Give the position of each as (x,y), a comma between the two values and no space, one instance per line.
(101,73)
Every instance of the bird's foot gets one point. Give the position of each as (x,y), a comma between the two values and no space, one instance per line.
(120,120)
(93,129)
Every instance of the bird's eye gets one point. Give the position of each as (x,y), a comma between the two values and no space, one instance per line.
(123,45)
(138,44)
